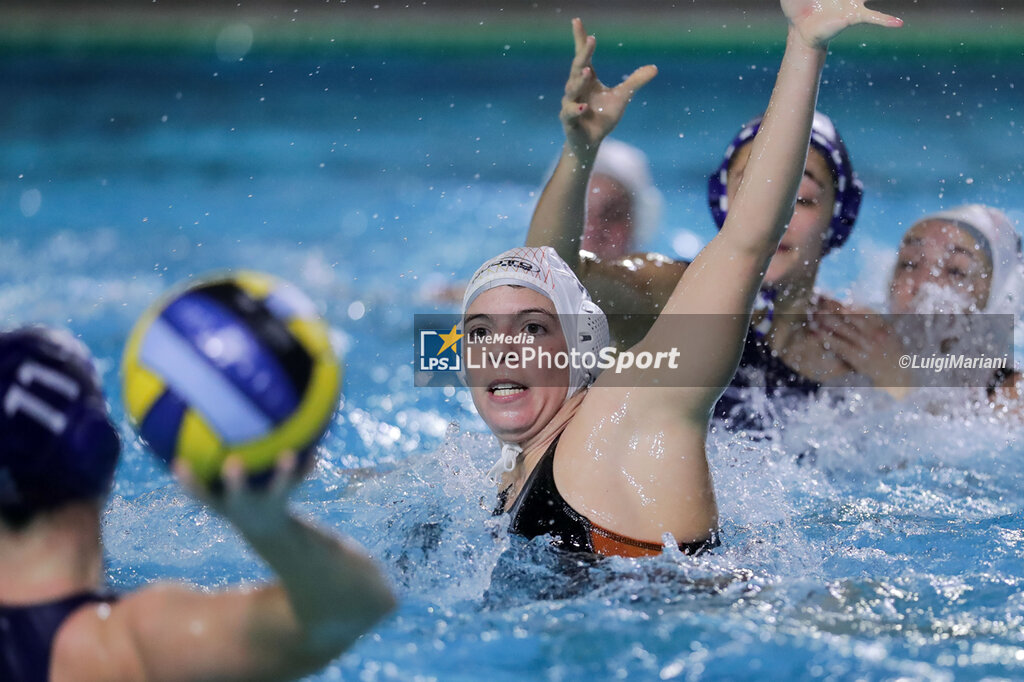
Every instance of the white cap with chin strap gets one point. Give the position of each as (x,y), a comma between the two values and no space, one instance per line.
(583,323)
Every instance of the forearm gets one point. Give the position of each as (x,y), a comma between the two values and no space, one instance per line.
(765,198)
(723,280)
(327,595)
(559,216)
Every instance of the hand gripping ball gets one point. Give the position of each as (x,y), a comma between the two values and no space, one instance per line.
(239,364)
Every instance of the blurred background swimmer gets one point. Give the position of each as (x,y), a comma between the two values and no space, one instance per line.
(972,252)
(962,261)
(58,452)
(624,207)
(624,211)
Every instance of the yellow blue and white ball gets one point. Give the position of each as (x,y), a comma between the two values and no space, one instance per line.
(239,364)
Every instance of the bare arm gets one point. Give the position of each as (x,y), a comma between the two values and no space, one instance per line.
(721,283)
(633,459)
(590,111)
(328,593)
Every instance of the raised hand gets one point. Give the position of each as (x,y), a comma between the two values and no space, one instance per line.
(819,21)
(590,109)
(262,508)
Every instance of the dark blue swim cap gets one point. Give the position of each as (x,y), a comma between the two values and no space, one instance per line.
(56,441)
(826,139)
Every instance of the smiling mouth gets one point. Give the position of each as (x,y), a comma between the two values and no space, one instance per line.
(504,389)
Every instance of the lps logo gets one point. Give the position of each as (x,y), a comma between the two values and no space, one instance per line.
(439,352)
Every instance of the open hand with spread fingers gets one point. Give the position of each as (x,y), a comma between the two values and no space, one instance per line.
(819,21)
(590,109)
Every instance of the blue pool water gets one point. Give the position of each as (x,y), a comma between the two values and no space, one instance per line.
(373,178)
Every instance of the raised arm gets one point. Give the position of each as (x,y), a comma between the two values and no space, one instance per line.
(721,283)
(590,111)
(328,594)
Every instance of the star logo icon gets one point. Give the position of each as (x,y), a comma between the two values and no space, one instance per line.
(450,339)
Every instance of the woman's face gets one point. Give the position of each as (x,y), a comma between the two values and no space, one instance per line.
(608,231)
(515,402)
(799,254)
(939,253)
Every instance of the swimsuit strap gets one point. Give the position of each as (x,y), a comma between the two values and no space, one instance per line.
(540,509)
(27,634)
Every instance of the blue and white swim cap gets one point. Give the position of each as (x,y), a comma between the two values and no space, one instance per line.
(826,139)
(56,440)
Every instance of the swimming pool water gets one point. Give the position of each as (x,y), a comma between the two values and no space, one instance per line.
(373,178)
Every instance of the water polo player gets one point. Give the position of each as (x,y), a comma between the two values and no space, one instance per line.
(58,452)
(623,205)
(780,352)
(611,467)
(961,261)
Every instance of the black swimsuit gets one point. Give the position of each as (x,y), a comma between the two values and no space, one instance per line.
(541,510)
(759,367)
(27,634)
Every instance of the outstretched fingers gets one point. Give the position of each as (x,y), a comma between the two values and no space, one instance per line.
(579,34)
(585,46)
(580,83)
(637,80)
(189,481)
(285,473)
(581,75)
(870,16)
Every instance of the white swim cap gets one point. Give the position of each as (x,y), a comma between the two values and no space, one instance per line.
(628,166)
(996,236)
(540,268)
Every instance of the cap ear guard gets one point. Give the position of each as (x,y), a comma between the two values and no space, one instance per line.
(592,335)
(849,189)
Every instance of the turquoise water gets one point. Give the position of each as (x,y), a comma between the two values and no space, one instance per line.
(371,179)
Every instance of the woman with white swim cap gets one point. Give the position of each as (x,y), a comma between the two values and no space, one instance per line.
(960,261)
(970,250)
(610,465)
